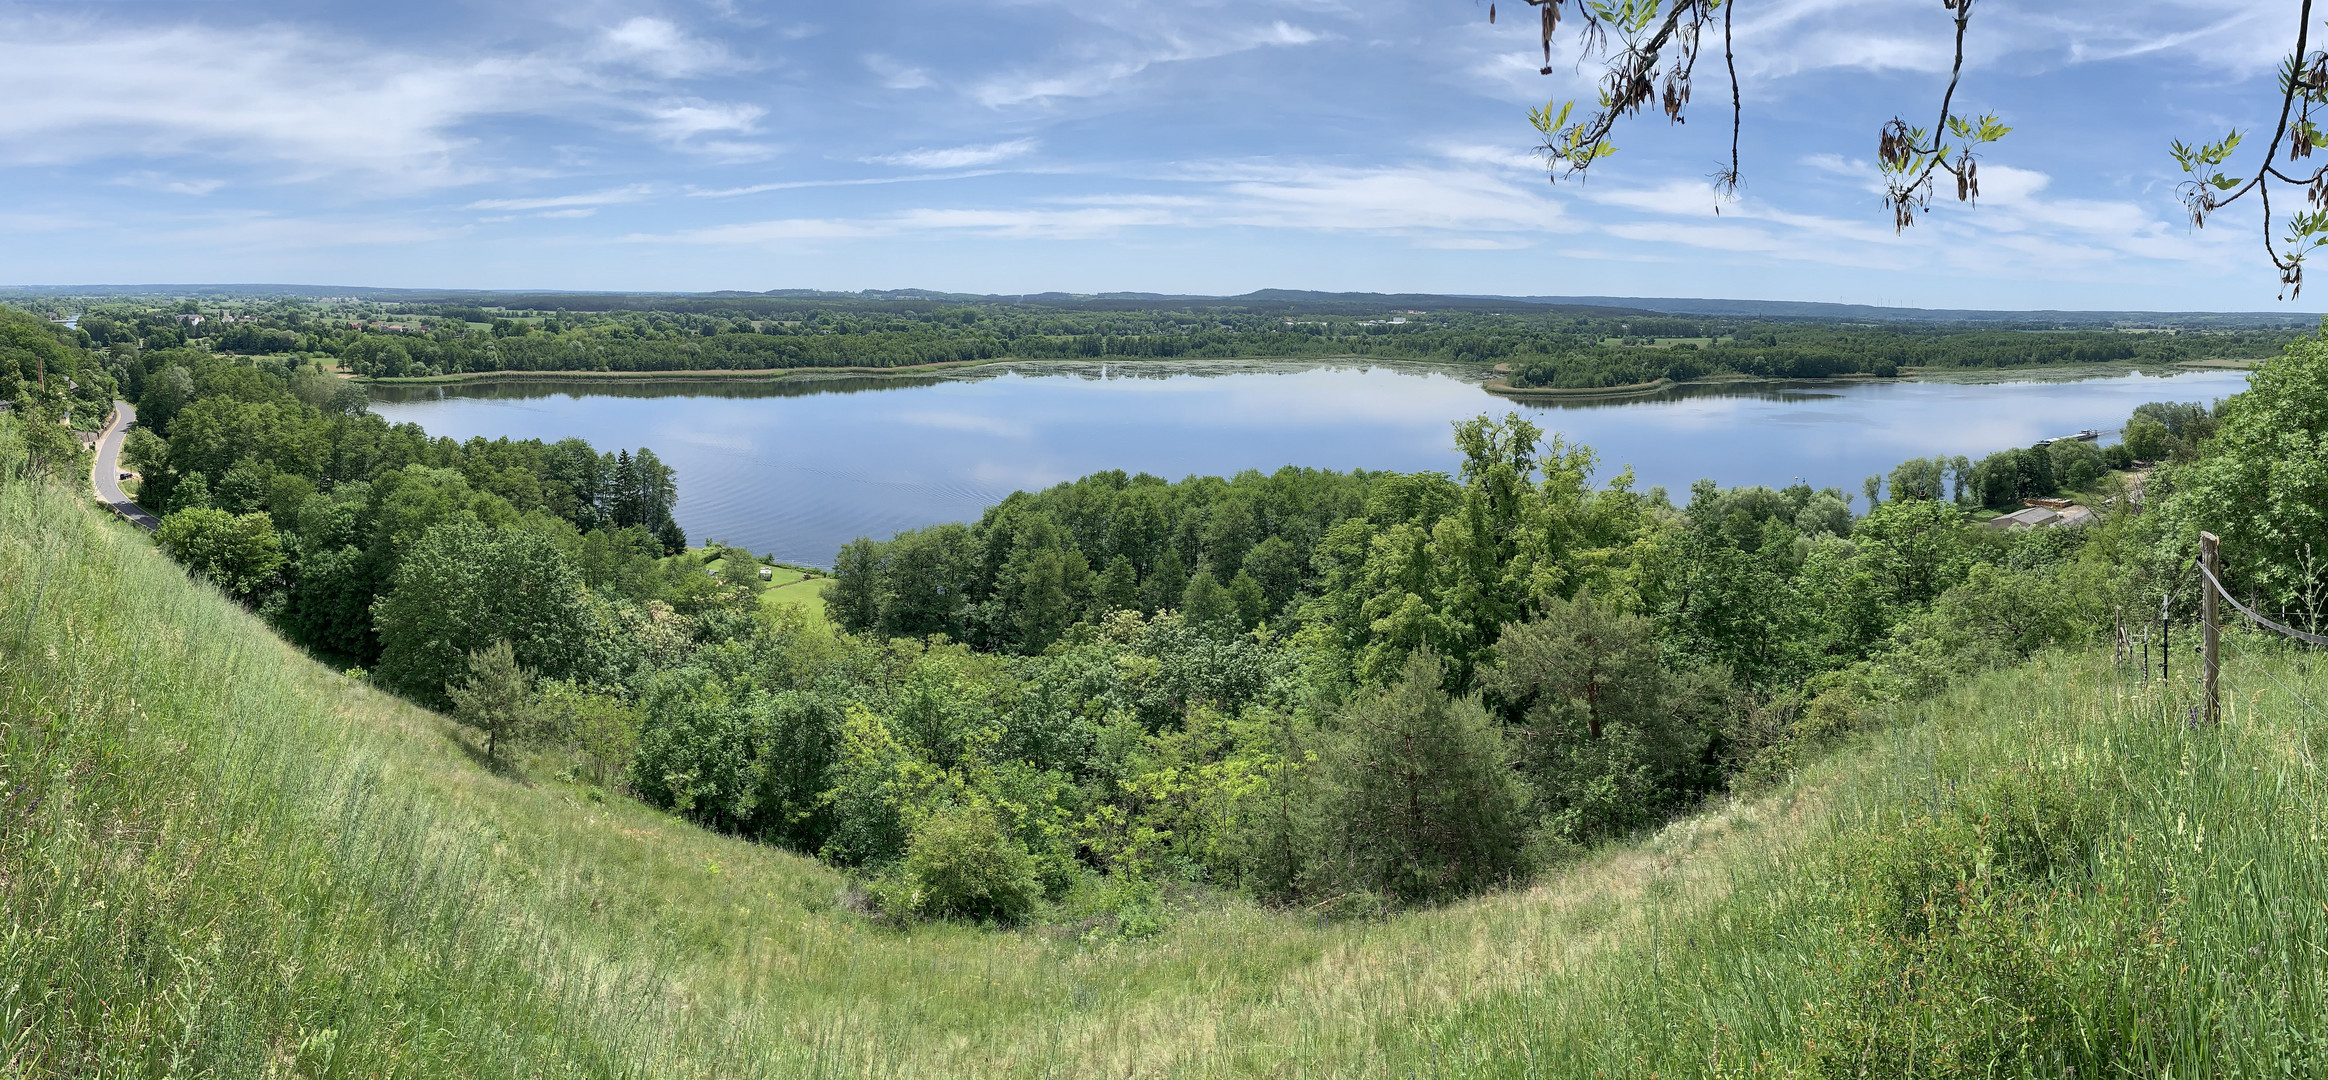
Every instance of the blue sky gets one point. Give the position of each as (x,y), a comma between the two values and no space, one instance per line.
(1089,146)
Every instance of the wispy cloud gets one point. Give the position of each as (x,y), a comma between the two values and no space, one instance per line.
(860,181)
(659,46)
(957,157)
(325,105)
(1428,202)
(895,74)
(1149,48)
(632,193)
(151,180)
(1043,223)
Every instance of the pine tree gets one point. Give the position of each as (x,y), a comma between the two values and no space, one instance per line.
(496,698)
(1420,802)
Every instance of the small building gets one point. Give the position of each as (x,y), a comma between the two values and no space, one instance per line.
(767,573)
(2042,517)
(2031,517)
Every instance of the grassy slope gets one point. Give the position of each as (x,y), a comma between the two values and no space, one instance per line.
(809,594)
(214,854)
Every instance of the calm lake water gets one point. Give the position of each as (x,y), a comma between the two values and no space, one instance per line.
(799,467)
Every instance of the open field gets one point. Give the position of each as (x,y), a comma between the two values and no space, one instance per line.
(216,856)
(808,594)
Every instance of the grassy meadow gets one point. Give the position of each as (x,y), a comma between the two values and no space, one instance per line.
(220,859)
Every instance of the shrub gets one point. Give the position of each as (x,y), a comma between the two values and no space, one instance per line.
(1949,966)
(1420,801)
(241,555)
(961,864)
(495,698)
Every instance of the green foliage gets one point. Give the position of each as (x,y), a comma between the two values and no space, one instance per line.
(598,729)
(2147,439)
(464,586)
(962,864)
(2263,487)
(241,554)
(1949,974)
(495,697)
(1419,800)
(1608,736)
(167,391)
(738,757)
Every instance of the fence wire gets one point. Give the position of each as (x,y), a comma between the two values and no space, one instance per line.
(2256,663)
(2255,616)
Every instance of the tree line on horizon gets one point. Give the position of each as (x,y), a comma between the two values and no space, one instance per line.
(1560,349)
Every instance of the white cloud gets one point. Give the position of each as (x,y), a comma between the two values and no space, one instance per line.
(2012,227)
(957,157)
(795,185)
(175,185)
(632,193)
(679,120)
(1131,54)
(1048,223)
(895,74)
(1434,206)
(659,46)
(1395,198)
(315,105)
(270,233)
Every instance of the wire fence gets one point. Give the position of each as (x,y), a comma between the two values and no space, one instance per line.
(2256,662)
(2213,629)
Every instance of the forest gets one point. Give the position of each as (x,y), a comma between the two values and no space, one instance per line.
(1540,345)
(278,484)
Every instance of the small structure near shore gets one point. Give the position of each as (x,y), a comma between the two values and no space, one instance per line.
(2043,514)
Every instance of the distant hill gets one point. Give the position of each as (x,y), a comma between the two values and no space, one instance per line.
(1289,301)
(1801,309)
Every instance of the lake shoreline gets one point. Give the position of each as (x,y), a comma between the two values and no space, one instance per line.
(799,468)
(1497,381)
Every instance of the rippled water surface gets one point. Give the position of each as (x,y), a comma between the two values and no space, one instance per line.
(800,467)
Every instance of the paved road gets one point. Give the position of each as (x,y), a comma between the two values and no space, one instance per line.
(105,474)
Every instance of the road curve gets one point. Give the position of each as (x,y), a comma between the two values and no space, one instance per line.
(105,472)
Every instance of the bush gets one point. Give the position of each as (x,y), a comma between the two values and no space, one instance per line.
(961,864)
(596,728)
(1420,802)
(241,555)
(496,698)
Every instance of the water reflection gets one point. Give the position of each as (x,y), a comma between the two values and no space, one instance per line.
(533,389)
(799,466)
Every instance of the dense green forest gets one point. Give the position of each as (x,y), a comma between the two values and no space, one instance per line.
(45,377)
(282,487)
(1542,345)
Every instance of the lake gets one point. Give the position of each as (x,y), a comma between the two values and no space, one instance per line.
(798,467)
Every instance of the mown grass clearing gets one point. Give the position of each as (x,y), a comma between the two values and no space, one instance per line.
(802,592)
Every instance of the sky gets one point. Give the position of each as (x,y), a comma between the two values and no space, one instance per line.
(1086,146)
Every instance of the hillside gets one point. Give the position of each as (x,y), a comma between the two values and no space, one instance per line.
(219,858)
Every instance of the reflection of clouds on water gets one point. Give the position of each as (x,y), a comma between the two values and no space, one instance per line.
(968,422)
(800,471)
(1007,477)
(740,443)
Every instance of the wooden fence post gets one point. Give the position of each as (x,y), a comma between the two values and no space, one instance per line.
(2211,556)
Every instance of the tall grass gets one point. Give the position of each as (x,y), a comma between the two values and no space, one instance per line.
(217,858)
